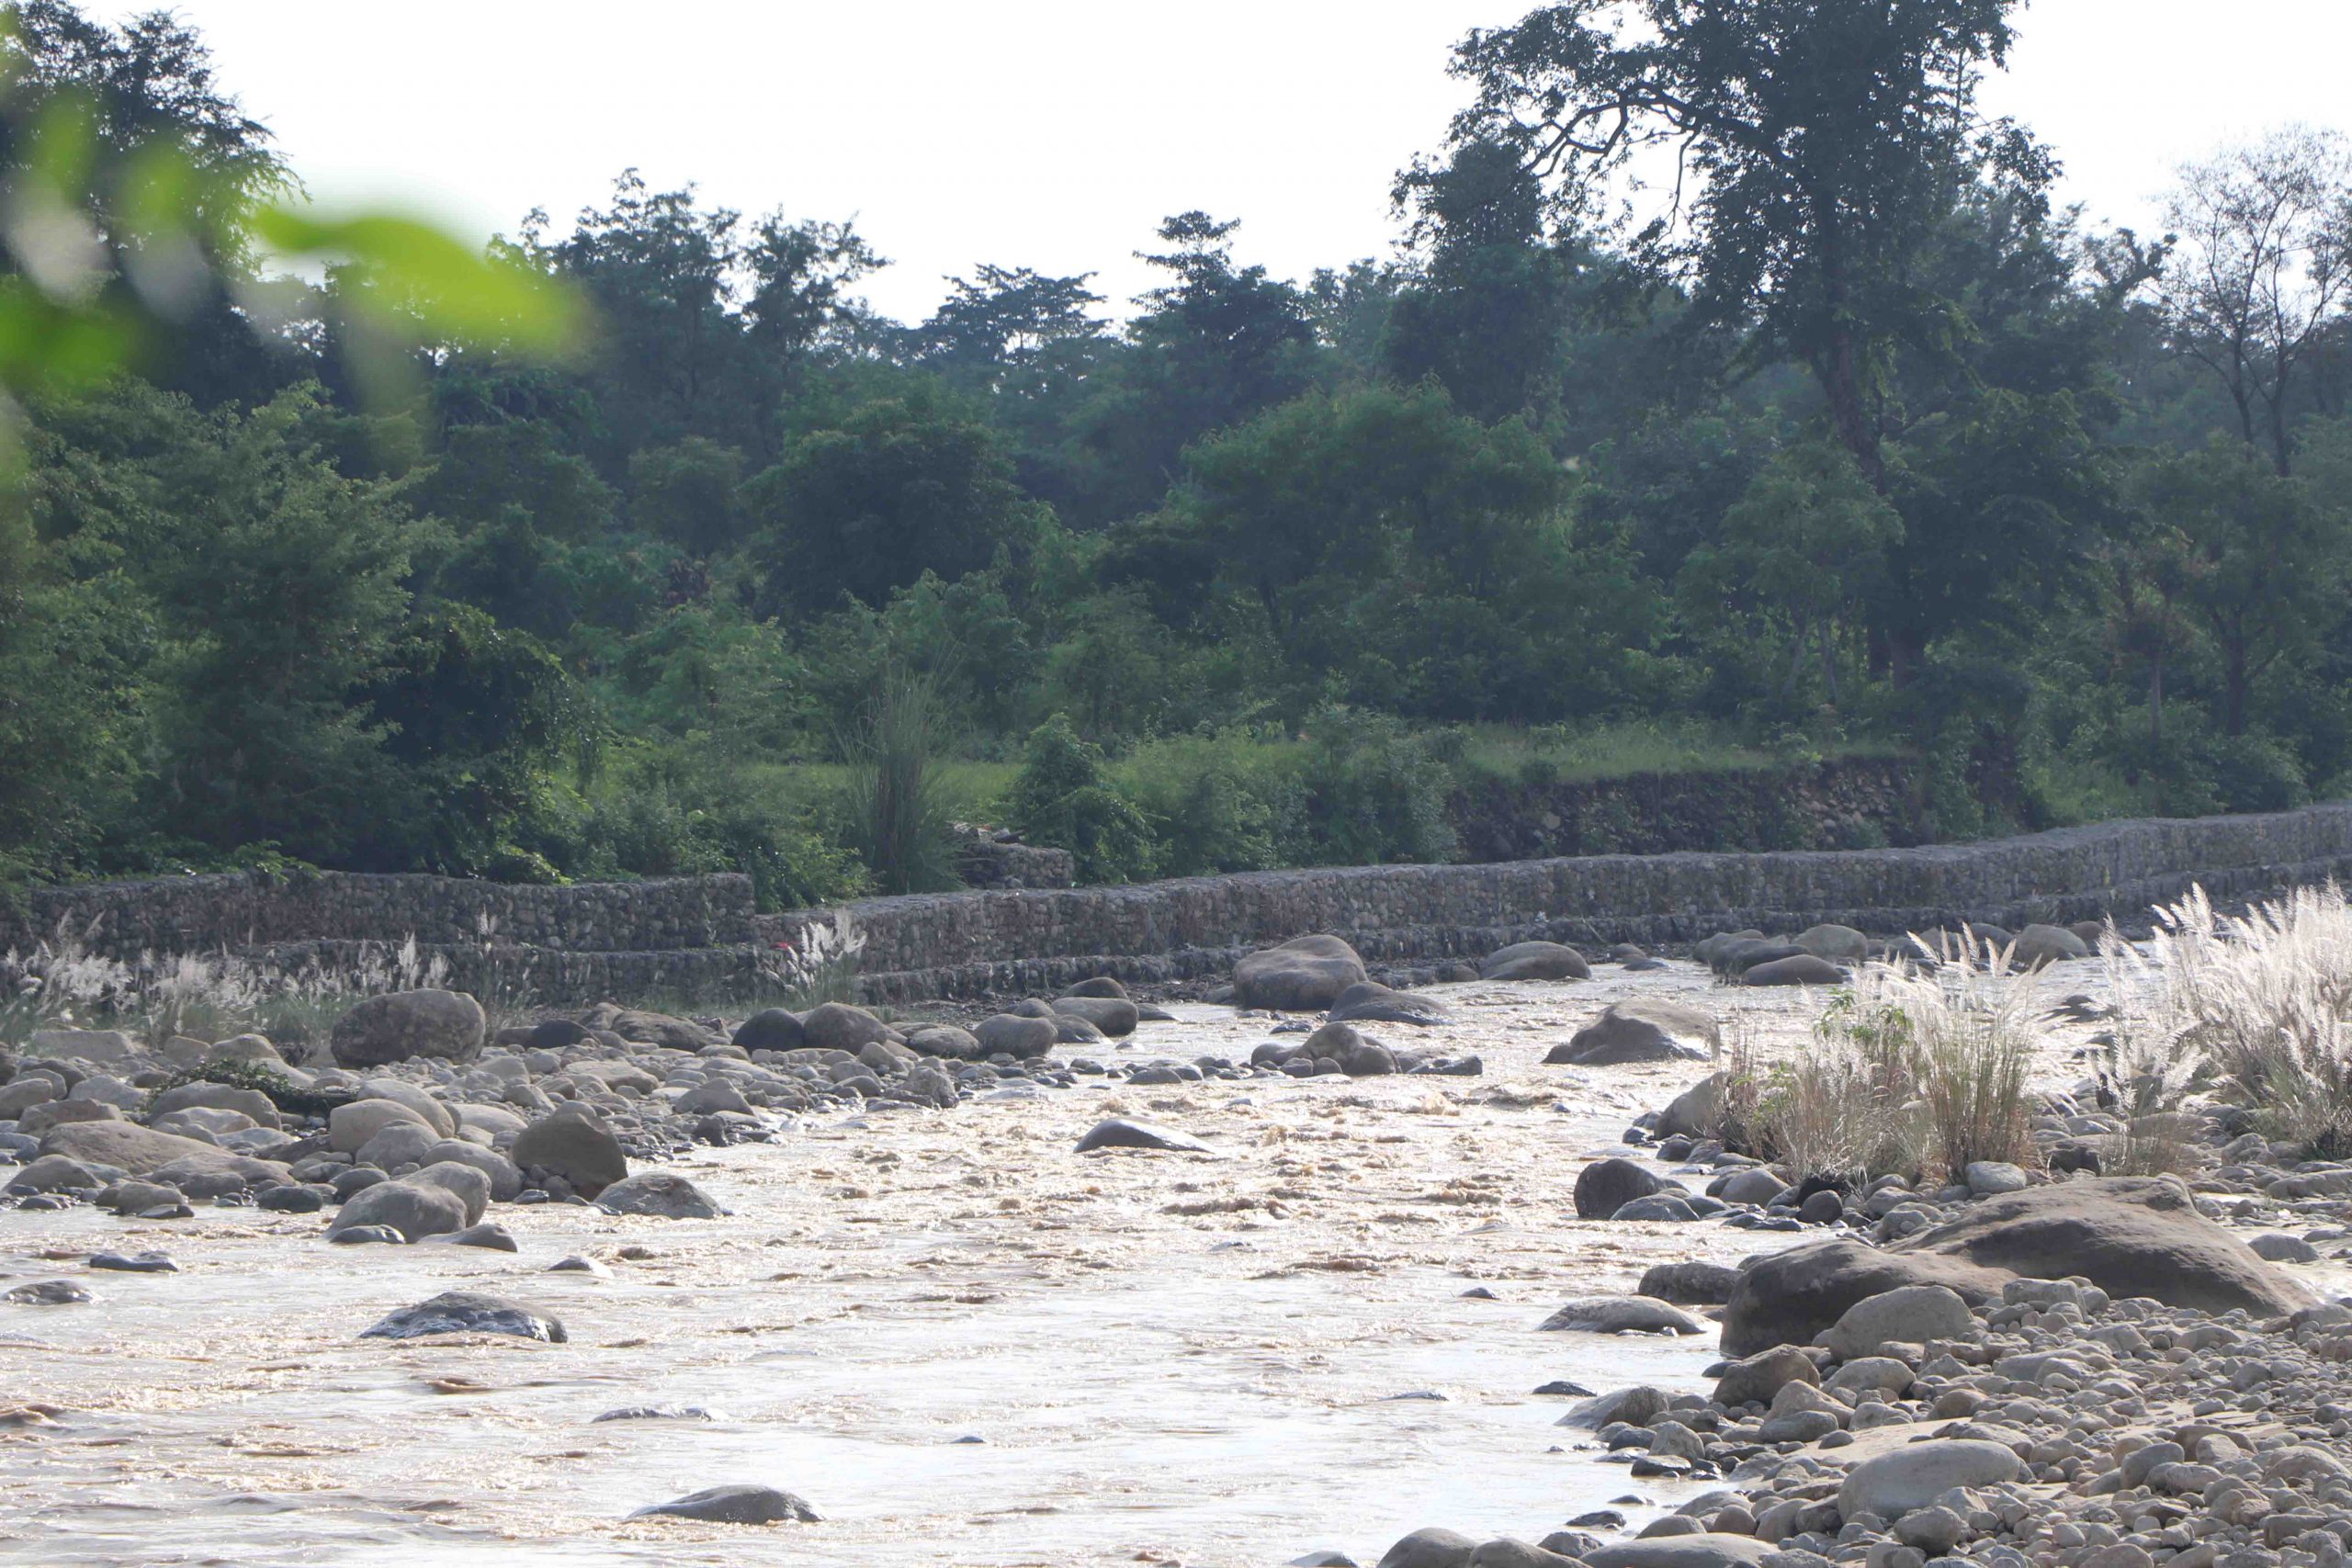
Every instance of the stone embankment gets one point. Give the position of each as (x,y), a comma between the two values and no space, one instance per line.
(701,935)
(958,944)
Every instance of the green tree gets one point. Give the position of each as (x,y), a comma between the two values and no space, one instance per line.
(686,494)
(1817,144)
(1062,796)
(906,484)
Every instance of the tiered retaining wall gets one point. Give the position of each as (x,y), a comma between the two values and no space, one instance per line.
(967,943)
(700,936)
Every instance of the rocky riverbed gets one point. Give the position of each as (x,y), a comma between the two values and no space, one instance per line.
(905,1300)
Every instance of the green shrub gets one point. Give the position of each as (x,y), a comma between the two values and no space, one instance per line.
(897,809)
(1376,792)
(1219,803)
(1063,798)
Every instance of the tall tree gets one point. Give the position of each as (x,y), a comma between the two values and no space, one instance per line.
(1814,146)
(2261,271)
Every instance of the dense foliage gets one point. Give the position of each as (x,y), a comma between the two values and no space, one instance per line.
(1853,440)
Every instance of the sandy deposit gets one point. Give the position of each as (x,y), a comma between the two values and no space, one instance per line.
(1167,1358)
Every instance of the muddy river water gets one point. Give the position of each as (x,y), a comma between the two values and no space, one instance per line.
(1165,1359)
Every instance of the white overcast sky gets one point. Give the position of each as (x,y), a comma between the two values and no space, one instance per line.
(1055,134)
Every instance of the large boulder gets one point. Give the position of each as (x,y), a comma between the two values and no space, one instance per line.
(1842,944)
(354,1125)
(399,1027)
(1699,1549)
(1797,969)
(1306,974)
(661,1193)
(1640,1030)
(1535,961)
(2038,946)
(1359,1056)
(1621,1315)
(96,1047)
(837,1026)
(1606,1186)
(1911,1315)
(1697,1112)
(467,1183)
(664,1030)
(144,1151)
(1012,1034)
(469,1312)
(946,1040)
(1115,1016)
(573,1142)
(415,1209)
(1373,1002)
(436,1114)
(1914,1476)
(772,1028)
(2129,1236)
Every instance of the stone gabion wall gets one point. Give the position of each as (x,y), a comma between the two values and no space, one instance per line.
(242,911)
(968,943)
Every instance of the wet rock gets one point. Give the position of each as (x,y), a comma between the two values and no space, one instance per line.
(1100,986)
(659,1193)
(1660,1209)
(352,1235)
(658,1412)
(574,1143)
(1636,1407)
(2277,1248)
(1535,961)
(351,1127)
(1118,1132)
(402,1025)
(1621,1315)
(2129,1236)
(467,1312)
(495,1238)
(1303,975)
(1695,1283)
(1800,969)
(410,1210)
(1024,1039)
(1359,1056)
(946,1041)
(1838,943)
(575,1264)
(737,1505)
(1113,1016)
(1697,1112)
(55,1173)
(1640,1030)
(1372,1003)
(1606,1186)
(135,1263)
(2038,947)
(837,1026)
(469,1186)
(47,1292)
(1429,1547)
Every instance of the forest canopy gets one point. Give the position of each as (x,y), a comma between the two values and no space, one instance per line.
(638,545)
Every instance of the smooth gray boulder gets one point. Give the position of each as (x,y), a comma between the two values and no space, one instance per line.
(1024,1039)
(735,1505)
(772,1028)
(469,1185)
(1703,1550)
(1842,944)
(1640,1030)
(1371,1003)
(837,1026)
(1915,1476)
(573,1142)
(1116,1017)
(1621,1315)
(1119,1132)
(1606,1186)
(661,1193)
(467,1312)
(402,1025)
(352,1126)
(412,1210)
(1306,974)
(1535,961)
(1798,969)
